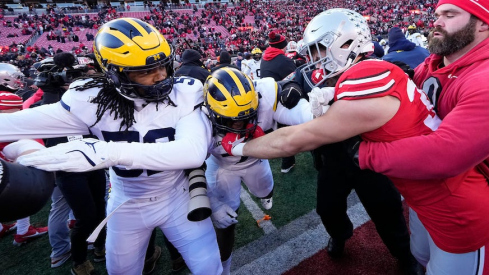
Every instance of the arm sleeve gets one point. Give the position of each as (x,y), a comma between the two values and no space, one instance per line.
(188,150)
(46,121)
(459,143)
(33,99)
(301,113)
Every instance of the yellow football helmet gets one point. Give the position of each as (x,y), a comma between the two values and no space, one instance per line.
(256,52)
(127,45)
(229,96)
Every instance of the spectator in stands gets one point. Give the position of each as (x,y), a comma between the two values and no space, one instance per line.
(192,66)
(404,50)
(224,61)
(89,36)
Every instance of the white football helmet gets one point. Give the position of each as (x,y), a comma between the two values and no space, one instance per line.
(11,77)
(292,46)
(334,29)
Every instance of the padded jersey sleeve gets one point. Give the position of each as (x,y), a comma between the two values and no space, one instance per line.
(369,79)
(47,121)
(301,113)
(459,143)
(192,136)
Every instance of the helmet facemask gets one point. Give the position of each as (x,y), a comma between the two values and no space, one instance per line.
(332,41)
(133,90)
(322,56)
(224,125)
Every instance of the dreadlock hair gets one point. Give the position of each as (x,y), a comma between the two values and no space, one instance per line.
(108,99)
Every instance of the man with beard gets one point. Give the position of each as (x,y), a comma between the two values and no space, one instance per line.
(453,77)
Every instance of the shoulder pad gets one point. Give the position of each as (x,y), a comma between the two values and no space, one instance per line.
(368,78)
(188,91)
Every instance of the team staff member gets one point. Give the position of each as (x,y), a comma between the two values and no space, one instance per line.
(378,101)
(451,77)
(144,119)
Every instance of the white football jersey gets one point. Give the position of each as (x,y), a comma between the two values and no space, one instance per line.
(163,140)
(252,69)
(270,111)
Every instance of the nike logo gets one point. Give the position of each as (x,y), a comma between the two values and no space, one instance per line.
(92,144)
(315,29)
(86,157)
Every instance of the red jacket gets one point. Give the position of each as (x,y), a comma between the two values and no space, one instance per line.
(461,141)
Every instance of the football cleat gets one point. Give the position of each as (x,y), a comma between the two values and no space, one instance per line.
(7,228)
(32,233)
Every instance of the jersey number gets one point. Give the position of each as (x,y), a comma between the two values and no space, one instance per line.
(133,136)
(432,121)
(432,88)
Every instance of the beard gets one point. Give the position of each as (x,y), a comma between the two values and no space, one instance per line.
(452,42)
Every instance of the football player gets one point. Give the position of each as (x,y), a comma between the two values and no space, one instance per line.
(150,128)
(252,68)
(235,104)
(379,101)
(414,36)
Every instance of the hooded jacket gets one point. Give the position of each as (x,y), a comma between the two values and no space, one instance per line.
(462,139)
(404,50)
(275,64)
(458,148)
(192,66)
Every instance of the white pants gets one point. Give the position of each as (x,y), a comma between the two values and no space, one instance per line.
(225,184)
(130,227)
(441,262)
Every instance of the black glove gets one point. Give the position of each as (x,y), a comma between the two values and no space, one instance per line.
(291,94)
(352,145)
(405,67)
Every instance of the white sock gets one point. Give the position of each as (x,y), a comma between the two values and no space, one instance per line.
(226,266)
(23,225)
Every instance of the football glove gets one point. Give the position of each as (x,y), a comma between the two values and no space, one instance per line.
(291,94)
(224,217)
(352,146)
(258,131)
(233,144)
(319,100)
(75,156)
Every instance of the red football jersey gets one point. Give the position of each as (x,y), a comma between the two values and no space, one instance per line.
(375,78)
(450,208)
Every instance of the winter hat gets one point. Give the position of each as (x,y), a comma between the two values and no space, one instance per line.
(240,54)
(191,56)
(398,42)
(10,101)
(478,8)
(276,40)
(225,58)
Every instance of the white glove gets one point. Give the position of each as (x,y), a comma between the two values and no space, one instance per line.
(319,99)
(74,156)
(16,149)
(224,217)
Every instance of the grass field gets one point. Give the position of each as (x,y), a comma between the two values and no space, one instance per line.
(294,196)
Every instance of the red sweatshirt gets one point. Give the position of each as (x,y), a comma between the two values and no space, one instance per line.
(462,140)
(455,215)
